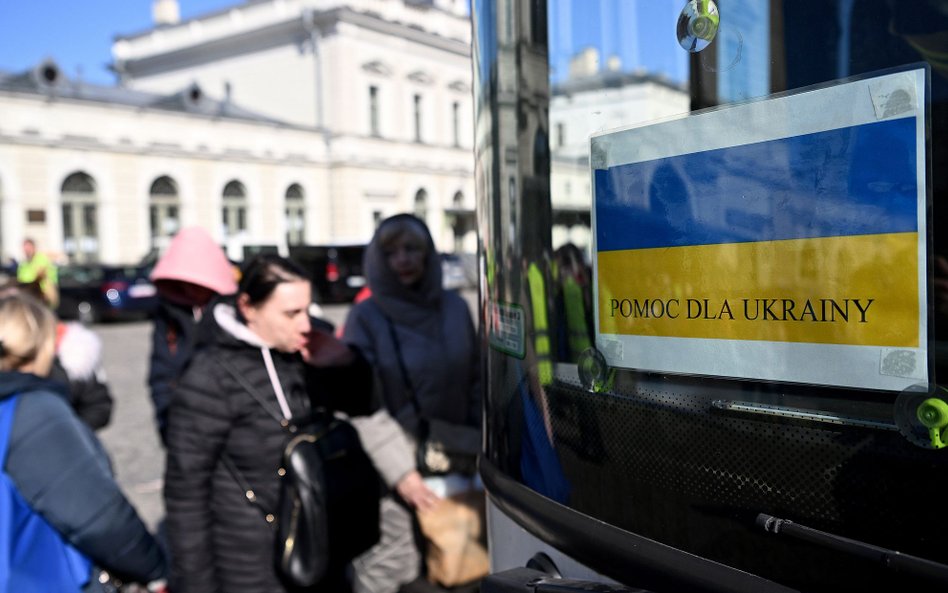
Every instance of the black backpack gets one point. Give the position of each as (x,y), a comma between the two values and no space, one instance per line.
(328,511)
(329,502)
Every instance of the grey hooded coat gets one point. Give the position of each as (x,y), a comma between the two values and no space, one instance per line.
(437,342)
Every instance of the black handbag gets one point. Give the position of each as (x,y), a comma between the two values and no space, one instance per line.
(329,502)
(443,447)
(328,511)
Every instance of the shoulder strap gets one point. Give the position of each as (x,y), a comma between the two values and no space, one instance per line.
(229,464)
(409,387)
(7,409)
(278,416)
(246,487)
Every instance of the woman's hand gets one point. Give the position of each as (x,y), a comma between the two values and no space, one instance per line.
(324,350)
(412,489)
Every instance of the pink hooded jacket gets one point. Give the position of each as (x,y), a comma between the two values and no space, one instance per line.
(194,257)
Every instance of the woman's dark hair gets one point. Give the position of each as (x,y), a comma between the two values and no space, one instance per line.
(261,275)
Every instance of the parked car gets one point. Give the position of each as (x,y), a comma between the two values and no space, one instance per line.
(458,271)
(95,292)
(336,270)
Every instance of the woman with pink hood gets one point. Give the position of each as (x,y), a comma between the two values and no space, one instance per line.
(191,273)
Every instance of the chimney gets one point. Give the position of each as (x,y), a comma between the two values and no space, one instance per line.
(165,12)
(585,63)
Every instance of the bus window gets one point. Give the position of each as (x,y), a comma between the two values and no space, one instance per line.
(713,288)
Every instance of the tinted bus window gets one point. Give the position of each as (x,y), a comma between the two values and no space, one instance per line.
(713,285)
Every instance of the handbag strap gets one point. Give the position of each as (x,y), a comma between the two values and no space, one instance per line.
(7,410)
(409,387)
(278,416)
(226,459)
(247,488)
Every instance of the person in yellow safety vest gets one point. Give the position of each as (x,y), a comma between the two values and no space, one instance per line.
(36,267)
(574,311)
(542,342)
(540,466)
(574,302)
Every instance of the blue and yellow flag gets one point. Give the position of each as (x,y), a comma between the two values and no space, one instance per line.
(726,244)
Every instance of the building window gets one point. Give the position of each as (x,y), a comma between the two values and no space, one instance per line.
(163,211)
(295,215)
(80,218)
(456,122)
(374,111)
(459,225)
(376,218)
(234,212)
(417,108)
(421,205)
(560,135)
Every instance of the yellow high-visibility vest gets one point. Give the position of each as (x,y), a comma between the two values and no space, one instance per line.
(575,318)
(541,326)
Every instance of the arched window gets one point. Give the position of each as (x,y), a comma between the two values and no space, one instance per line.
(234,212)
(295,215)
(163,211)
(80,218)
(421,205)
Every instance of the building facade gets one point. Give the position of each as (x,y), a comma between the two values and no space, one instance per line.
(271,123)
(280,122)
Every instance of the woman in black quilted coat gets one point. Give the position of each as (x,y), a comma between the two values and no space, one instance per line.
(261,340)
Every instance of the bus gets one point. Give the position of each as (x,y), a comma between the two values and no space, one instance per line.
(714,293)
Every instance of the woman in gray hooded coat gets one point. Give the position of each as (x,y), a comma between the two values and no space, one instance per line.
(409,322)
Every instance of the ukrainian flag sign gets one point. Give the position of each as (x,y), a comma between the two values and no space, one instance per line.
(782,239)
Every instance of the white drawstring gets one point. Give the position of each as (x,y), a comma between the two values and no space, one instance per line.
(275,381)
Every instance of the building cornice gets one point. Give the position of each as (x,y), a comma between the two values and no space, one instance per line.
(242,43)
(333,159)
(377,67)
(612,81)
(229,9)
(421,167)
(94,103)
(157,150)
(293,31)
(408,32)
(421,77)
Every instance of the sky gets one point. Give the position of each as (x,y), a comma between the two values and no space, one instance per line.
(77,34)
(640,32)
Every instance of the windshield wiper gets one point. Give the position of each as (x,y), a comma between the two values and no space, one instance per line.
(891,559)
